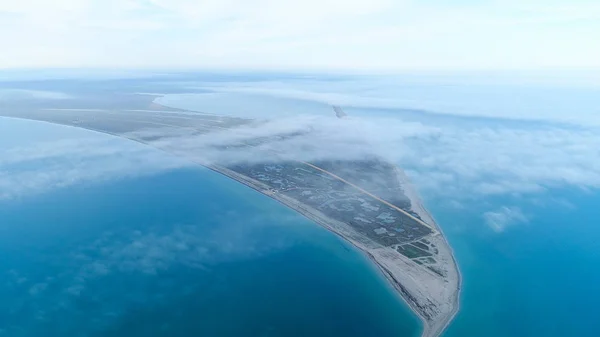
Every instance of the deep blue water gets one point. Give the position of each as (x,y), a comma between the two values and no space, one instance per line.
(535,279)
(182,253)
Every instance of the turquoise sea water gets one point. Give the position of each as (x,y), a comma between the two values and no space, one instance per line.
(535,279)
(191,251)
(185,252)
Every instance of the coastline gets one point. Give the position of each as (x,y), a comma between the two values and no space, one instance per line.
(434,298)
(417,204)
(378,255)
(427,297)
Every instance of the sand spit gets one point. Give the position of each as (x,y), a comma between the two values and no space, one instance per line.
(430,288)
(433,298)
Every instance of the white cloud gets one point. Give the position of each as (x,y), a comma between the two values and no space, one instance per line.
(542,135)
(43,166)
(449,158)
(331,34)
(451,161)
(504,217)
(501,160)
(19,94)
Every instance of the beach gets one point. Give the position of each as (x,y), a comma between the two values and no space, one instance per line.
(435,302)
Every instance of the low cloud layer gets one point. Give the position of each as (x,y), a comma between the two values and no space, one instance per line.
(44,166)
(476,137)
(502,160)
(452,161)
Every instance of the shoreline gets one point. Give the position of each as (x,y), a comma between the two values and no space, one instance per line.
(419,306)
(417,203)
(433,299)
(430,329)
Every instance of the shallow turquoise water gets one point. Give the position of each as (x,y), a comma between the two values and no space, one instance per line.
(186,252)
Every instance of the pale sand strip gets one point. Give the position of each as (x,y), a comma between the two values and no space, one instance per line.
(414,284)
(417,206)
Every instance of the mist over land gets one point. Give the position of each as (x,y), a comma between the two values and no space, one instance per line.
(453,150)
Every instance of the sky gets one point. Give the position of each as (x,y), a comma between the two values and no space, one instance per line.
(359,35)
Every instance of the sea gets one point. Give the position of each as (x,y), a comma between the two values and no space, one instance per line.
(177,252)
(536,279)
(180,250)
(539,276)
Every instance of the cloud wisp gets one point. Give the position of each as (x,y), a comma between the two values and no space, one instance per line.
(44,166)
(113,271)
(504,217)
